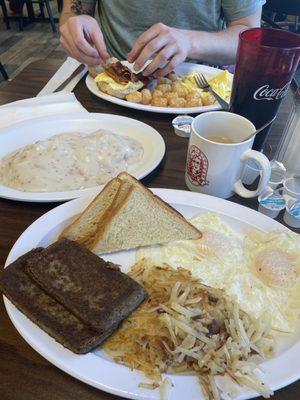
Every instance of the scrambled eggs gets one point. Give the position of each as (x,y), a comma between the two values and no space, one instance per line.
(221,84)
(262,274)
(103,77)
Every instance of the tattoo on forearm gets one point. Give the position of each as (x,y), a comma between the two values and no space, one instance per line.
(79,7)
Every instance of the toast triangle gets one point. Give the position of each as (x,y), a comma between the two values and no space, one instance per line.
(140,218)
(84,228)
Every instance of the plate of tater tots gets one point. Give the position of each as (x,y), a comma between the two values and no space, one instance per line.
(177,93)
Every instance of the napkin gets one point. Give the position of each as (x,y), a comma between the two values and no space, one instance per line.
(68,67)
(56,103)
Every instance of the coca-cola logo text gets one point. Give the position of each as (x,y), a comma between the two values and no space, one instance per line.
(267,93)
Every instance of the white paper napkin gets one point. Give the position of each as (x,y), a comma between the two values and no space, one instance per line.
(68,67)
(55,103)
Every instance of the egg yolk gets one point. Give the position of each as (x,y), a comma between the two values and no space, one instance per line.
(275,268)
(212,243)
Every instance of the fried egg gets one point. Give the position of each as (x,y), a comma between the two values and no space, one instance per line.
(273,259)
(261,272)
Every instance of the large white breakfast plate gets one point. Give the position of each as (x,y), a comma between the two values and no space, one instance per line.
(30,131)
(96,368)
(182,69)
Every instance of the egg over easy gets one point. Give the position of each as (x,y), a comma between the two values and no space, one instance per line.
(262,273)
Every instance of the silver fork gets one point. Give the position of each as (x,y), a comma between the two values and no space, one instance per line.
(204,85)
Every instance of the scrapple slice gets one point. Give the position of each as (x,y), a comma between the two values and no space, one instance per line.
(43,310)
(92,289)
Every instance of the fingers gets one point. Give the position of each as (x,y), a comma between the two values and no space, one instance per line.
(74,52)
(143,40)
(150,49)
(176,60)
(82,44)
(97,38)
(82,39)
(161,58)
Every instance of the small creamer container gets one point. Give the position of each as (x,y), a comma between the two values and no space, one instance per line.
(182,125)
(271,202)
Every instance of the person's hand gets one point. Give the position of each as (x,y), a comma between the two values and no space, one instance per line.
(82,39)
(168,47)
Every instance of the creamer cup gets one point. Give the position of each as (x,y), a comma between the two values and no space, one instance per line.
(271,203)
(182,125)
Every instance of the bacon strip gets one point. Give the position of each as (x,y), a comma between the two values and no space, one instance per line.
(120,73)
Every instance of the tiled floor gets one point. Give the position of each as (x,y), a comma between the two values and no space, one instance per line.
(37,41)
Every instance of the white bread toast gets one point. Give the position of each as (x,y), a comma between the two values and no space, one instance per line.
(140,219)
(126,215)
(84,228)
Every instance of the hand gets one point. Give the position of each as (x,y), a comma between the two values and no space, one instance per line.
(170,46)
(82,39)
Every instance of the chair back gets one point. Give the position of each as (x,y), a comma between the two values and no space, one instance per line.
(288,7)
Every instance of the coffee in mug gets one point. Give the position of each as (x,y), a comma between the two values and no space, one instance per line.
(217,155)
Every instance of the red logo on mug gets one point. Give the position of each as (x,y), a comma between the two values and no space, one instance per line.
(197,166)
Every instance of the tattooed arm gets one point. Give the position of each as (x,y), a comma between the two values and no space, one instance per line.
(81,36)
(72,8)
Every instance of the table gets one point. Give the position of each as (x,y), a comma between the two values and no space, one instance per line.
(24,374)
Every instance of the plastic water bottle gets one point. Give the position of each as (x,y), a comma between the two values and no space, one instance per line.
(288,151)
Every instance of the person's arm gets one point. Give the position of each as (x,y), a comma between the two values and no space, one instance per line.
(80,34)
(72,8)
(171,46)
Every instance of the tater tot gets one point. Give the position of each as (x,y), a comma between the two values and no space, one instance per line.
(207,99)
(134,97)
(195,102)
(176,85)
(164,87)
(157,93)
(172,76)
(182,91)
(171,95)
(177,102)
(146,96)
(159,101)
(192,96)
(163,80)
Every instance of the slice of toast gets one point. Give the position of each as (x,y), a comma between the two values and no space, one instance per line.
(84,228)
(89,287)
(140,219)
(45,311)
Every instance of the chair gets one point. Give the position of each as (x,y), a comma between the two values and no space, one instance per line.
(30,11)
(46,3)
(4,13)
(3,72)
(287,7)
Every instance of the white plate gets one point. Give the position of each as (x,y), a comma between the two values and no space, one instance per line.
(96,368)
(182,69)
(28,132)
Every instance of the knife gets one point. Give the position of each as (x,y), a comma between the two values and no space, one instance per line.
(77,71)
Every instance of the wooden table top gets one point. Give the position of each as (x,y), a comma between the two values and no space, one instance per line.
(24,374)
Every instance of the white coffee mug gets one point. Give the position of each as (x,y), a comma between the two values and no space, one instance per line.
(216,168)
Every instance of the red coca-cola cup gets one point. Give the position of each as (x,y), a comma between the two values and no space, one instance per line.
(266,62)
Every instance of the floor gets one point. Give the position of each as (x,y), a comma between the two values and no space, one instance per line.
(37,41)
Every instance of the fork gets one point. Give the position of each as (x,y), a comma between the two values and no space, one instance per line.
(204,85)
